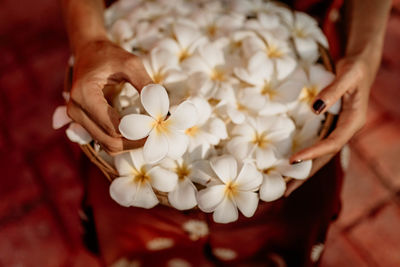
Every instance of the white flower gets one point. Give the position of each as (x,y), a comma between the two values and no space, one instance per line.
(306,36)
(208,71)
(265,138)
(166,136)
(75,132)
(310,82)
(274,184)
(127,100)
(208,130)
(184,41)
(274,49)
(196,229)
(307,134)
(163,67)
(190,168)
(234,191)
(137,179)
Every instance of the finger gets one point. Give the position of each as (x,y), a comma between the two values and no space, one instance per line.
(91,99)
(137,74)
(345,81)
(113,145)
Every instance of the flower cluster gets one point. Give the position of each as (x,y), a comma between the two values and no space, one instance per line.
(233,84)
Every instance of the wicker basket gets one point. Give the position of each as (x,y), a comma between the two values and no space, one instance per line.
(111,173)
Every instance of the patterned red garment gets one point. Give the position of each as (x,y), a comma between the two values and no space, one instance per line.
(281,232)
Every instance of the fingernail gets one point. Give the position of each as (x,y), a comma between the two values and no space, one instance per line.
(296,161)
(318,106)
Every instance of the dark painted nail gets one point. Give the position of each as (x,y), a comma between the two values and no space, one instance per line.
(318,106)
(296,161)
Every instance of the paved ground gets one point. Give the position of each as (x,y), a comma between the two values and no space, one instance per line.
(40,188)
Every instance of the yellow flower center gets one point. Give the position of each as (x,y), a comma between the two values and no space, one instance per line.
(267,90)
(269,170)
(241,107)
(300,33)
(182,171)
(160,125)
(308,93)
(140,176)
(274,52)
(212,30)
(158,77)
(218,74)
(260,140)
(184,54)
(213,101)
(231,189)
(192,131)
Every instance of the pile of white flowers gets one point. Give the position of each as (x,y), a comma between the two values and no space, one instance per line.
(233,85)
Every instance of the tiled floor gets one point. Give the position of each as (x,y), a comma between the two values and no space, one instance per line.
(40,188)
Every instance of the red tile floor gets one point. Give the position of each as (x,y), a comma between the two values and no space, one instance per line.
(40,187)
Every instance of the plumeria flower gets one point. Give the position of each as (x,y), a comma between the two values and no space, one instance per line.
(166,136)
(184,41)
(274,185)
(75,132)
(274,49)
(134,186)
(234,190)
(306,36)
(192,167)
(208,70)
(127,100)
(163,67)
(307,134)
(208,130)
(310,82)
(265,138)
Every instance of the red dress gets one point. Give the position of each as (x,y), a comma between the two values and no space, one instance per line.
(280,232)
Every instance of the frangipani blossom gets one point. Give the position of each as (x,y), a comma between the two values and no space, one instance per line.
(208,130)
(307,134)
(306,36)
(75,132)
(192,167)
(127,100)
(163,67)
(234,190)
(134,186)
(166,136)
(274,184)
(264,138)
(274,49)
(208,70)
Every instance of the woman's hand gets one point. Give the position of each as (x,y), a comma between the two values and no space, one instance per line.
(98,65)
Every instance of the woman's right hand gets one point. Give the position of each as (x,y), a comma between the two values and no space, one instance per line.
(98,65)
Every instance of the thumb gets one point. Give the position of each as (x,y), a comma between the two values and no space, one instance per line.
(345,81)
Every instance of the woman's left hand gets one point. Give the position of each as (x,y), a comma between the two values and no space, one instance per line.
(352,84)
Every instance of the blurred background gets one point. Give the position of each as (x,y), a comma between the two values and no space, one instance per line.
(41,187)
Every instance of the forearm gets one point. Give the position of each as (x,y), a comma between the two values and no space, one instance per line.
(84,22)
(366,24)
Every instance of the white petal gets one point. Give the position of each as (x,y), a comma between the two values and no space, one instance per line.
(335,108)
(273,186)
(203,109)
(136,126)
(183,197)
(320,76)
(225,212)
(123,163)
(122,190)
(307,48)
(201,172)
(155,148)
(76,133)
(60,117)
(217,128)
(225,167)
(235,115)
(162,179)
(247,202)
(155,100)
(145,197)
(209,198)
(249,178)
(137,158)
(298,171)
(285,66)
(184,116)
(177,144)
(265,157)
(239,147)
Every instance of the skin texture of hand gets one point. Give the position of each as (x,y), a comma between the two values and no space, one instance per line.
(100,65)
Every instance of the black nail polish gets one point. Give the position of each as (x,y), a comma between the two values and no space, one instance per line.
(296,161)
(318,106)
